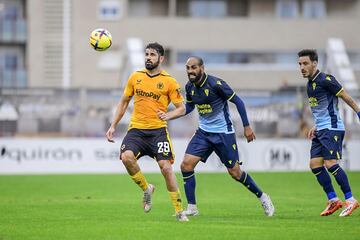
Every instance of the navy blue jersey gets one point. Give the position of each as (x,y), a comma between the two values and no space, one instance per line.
(210,99)
(322,91)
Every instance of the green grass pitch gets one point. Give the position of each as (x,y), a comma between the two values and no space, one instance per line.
(109,207)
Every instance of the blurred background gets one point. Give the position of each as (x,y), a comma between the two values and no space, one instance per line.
(58,95)
(53,84)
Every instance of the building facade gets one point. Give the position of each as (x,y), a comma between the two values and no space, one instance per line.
(252,44)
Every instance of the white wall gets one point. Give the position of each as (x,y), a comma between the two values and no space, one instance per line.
(76,155)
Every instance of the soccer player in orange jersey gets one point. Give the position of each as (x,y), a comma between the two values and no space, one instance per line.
(152,89)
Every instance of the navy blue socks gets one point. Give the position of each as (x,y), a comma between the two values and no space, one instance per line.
(248,182)
(189,185)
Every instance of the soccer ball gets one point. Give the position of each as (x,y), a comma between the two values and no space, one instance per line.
(100,39)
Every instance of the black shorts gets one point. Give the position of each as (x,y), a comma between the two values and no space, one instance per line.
(154,143)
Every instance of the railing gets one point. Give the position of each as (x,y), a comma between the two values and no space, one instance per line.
(87,113)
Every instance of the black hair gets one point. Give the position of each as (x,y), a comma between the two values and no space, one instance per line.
(311,53)
(157,47)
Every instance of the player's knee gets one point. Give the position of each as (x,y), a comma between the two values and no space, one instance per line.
(313,165)
(127,157)
(166,169)
(186,167)
(235,173)
(329,163)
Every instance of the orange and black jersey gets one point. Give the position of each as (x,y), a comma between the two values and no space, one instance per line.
(151,93)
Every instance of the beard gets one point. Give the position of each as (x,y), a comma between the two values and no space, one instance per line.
(150,66)
(197,77)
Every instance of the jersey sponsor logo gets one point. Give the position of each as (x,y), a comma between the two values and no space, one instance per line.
(313,102)
(206,91)
(204,108)
(160,85)
(142,93)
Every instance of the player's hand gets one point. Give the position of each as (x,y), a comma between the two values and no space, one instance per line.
(162,115)
(109,134)
(311,133)
(249,134)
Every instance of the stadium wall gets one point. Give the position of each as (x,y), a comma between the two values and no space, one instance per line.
(80,155)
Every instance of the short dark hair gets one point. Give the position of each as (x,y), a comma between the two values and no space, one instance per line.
(157,47)
(199,59)
(311,53)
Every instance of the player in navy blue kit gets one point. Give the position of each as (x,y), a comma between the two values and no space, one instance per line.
(328,133)
(210,95)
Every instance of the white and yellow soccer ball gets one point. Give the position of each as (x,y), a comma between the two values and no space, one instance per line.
(100,39)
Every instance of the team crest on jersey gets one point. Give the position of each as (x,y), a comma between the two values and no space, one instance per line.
(160,85)
(123,147)
(234,146)
(328,78)
(206,92)
(313,86)
(138,81)
(192,92)
(218,83)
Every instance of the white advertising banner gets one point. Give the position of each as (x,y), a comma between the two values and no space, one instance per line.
(83,155)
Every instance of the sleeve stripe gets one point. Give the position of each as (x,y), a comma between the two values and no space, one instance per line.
(342,89)
(188,101)
(231,96)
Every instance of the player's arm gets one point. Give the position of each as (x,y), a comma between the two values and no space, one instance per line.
(311,133)
(120,111)
(248,132)
(349,101)
(179,111)
(173,114)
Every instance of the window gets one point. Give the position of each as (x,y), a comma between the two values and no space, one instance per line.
(287,8)
(203,8)
(314,8)
(147,8)
(285,59)
(11,61)
(109,10)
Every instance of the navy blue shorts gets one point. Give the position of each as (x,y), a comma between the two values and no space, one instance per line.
(327,144)
(154,143)
(204,143)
